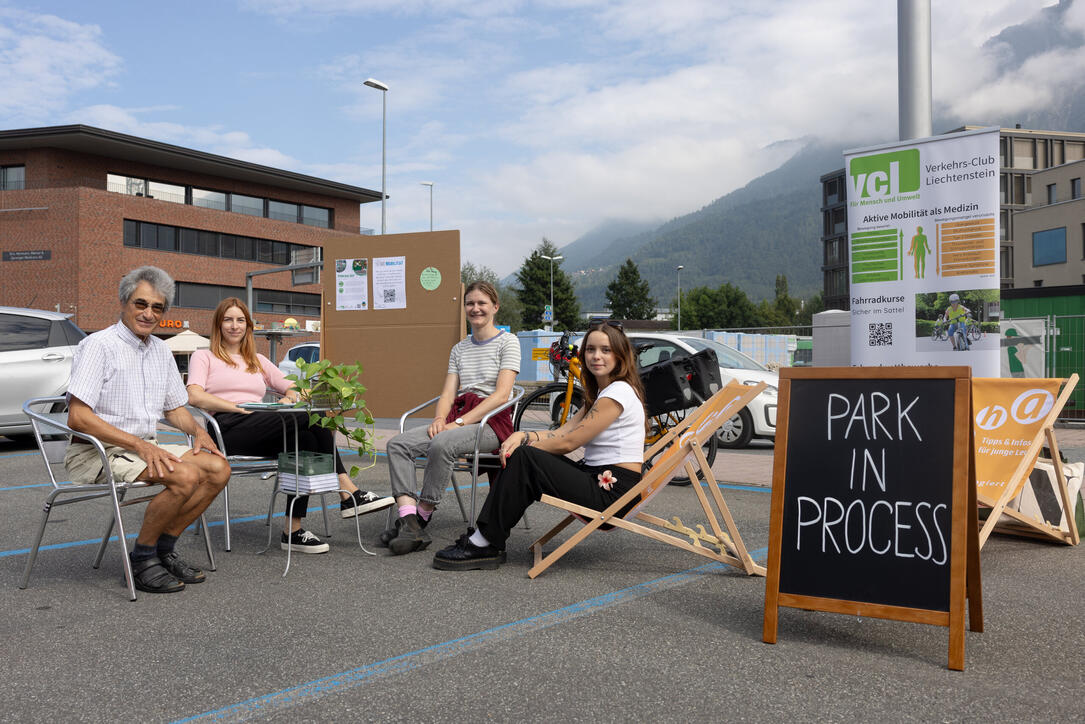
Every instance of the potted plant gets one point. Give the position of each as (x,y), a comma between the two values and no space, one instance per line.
(332,393)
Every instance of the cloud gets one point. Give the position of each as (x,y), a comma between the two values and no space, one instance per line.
(44,61)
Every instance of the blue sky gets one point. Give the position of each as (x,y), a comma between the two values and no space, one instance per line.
(532,118)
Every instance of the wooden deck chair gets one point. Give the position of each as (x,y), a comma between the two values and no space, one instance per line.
(680,446)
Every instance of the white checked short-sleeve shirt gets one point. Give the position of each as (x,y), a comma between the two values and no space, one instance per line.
(126,381)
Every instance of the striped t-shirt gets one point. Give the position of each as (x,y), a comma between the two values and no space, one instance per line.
(477,363)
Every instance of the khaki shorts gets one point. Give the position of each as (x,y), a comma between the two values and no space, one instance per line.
(84,463)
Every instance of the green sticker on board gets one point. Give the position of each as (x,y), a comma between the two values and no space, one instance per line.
(430,278)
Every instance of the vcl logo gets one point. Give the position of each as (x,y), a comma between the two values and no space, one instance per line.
(883,175)
(1029,407)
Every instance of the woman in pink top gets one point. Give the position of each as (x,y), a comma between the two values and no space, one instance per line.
(230,373)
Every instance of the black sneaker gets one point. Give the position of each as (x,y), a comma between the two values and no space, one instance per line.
(388,534)
(362,502)
(303,541)
(464,555)
(181,570)
(411,536)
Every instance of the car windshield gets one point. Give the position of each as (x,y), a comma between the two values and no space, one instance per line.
(729,357)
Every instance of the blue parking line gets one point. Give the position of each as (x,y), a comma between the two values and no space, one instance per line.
(264,706)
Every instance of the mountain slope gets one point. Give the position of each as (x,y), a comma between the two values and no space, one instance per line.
(770,226)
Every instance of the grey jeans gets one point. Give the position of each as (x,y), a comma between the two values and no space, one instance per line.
(440,453)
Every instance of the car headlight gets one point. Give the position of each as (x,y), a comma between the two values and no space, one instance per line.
(769,388)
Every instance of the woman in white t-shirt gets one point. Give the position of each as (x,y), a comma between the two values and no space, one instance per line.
(610,427)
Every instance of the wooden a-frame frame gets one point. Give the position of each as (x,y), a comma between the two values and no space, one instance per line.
(680,446)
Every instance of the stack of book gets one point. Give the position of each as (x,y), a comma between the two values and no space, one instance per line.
(309,473)
(304,484)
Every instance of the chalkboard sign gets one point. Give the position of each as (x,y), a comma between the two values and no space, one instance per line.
(870,503)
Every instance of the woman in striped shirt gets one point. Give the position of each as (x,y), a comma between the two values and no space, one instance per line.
(481,371)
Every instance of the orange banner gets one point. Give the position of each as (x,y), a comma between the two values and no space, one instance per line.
(1009,414)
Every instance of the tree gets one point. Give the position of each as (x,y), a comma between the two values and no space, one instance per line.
(534,292)
(629,296)
(508,312)
(723,308)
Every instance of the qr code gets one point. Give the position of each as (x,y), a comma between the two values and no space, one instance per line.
(880,334)
(389,296)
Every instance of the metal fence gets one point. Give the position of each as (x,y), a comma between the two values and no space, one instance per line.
(1064,354)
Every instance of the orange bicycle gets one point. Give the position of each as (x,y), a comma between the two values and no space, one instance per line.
(550,406)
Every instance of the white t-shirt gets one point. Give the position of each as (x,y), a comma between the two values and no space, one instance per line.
(623,441)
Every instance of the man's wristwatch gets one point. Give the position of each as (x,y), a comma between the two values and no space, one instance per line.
(459,421)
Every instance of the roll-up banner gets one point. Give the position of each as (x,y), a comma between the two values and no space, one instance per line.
(924,240)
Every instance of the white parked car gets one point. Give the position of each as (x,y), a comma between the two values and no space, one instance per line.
(309,352)
(758,419)
(36,349)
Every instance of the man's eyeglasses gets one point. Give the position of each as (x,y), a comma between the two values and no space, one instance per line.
(142,304)
(596,324)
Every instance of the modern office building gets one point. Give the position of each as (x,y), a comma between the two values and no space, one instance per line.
(1029,164)
(80,206)
(1050,234)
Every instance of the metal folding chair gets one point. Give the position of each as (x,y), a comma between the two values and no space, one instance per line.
(49,419)
(240,465)
(471,461)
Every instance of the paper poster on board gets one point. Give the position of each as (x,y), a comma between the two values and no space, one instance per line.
(923,222)
(390,282)
(351,284)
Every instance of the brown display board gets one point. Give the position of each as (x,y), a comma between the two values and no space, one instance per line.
(403,351)
(873,504)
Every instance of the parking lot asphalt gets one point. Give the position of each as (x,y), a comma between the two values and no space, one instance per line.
(622,628)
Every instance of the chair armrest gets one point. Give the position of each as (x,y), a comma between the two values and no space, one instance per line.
(517,393)
(56,423)
(408,413)
(209,423)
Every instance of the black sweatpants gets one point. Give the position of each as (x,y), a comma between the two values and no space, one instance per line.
(529,473)
(262,434)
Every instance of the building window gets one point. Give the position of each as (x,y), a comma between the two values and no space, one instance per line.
(208,296)
(1075,188)
(282,211)
(166,192)
(209,199)
(1038,283)
(142,234)
(1005,255)
(246,205)
(12,178)
(1052,193)
(1049,247)
(206,198)
(315,216)
(131,233)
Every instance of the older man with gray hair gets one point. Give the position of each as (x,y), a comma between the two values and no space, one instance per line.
(123,380)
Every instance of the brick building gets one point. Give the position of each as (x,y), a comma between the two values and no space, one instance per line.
(79,206)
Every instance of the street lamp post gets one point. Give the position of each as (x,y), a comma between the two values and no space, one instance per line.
(552,259)
(374,83)
(430,184)
(679,270)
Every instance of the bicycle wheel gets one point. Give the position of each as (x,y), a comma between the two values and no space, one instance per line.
(541,410)
(680,478)
(974,333)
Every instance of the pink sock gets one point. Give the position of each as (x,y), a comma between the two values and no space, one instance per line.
(424,514)
(405,510)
